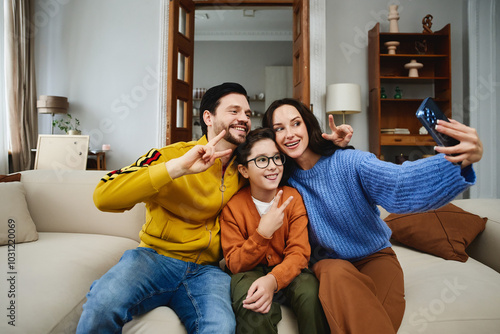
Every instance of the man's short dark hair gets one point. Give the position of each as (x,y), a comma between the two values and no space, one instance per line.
(211,99)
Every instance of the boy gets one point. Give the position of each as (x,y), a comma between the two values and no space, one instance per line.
(265,243)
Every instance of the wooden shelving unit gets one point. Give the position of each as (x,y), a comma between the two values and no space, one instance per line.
(387,70)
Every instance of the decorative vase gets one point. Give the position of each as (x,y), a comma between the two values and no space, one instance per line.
(74,132)
(393,18)
(391,46)
(383,95)
(413,66)
(398,94)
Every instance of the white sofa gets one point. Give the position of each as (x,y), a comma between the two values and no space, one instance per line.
(77,244)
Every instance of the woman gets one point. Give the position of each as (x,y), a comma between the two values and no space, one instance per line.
(361,281)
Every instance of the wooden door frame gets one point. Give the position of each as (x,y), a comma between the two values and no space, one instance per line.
(317,32)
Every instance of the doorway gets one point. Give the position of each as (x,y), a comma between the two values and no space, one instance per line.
(244,45)
(302,84)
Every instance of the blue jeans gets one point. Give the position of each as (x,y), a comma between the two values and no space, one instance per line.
(144,280)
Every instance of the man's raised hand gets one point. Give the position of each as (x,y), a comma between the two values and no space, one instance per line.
(198,159)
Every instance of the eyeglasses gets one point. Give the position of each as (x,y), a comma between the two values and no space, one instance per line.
(262,161)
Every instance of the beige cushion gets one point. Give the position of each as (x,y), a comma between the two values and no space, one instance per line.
(16,224)
(445,232)
(70,193)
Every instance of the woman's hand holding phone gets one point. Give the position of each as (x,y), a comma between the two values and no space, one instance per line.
(470,148)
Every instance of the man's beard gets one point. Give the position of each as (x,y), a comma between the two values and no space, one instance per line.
(235,140)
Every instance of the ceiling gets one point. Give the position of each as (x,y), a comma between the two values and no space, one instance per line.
(244,24)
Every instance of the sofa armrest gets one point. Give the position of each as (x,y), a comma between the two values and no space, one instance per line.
(486,247)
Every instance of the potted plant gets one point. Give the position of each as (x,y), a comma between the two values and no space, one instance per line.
(69,125)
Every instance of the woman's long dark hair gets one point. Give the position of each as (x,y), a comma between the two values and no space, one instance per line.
(317,143)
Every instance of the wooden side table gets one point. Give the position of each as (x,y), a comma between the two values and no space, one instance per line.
(100,160)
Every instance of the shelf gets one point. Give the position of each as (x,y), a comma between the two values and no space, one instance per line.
(412,56)
(388,71)
(400,78)
(404,101)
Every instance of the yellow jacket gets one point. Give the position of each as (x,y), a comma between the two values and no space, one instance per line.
(182,215)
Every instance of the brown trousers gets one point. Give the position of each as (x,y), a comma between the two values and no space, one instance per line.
(366,296)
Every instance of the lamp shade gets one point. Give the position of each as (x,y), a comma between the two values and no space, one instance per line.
(52,104)
(343,98)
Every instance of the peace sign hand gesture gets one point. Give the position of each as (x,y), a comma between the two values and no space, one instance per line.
(198,159)
(273,219)
(341,135)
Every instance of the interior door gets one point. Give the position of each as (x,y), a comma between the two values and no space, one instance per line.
(301,80)
(180,71)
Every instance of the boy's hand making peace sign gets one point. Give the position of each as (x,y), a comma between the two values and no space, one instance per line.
(273,219)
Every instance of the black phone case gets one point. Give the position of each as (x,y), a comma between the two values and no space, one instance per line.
(428,113)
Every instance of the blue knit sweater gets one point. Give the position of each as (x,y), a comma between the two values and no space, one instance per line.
(342,190)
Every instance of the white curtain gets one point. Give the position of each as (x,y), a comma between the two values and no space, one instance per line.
(483,94)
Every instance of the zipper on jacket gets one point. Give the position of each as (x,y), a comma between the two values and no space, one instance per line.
(222,189)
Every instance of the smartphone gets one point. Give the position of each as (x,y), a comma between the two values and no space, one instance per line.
(428,113)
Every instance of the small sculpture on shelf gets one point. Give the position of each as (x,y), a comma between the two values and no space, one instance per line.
(398,94)
(391,46)
(383,95)
(421,47)
(413,68)
(393,18)
(427,24)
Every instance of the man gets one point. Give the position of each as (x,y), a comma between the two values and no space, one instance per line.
(184,186)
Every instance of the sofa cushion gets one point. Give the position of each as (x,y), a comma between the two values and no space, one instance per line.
(16,224)
(448,296)
(54,275)
(157,320)
(445,232)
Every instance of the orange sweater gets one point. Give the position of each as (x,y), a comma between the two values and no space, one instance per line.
(244,248)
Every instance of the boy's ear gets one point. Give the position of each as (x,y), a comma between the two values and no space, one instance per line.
(243,171)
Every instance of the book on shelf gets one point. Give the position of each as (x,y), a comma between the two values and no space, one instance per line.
(395,131)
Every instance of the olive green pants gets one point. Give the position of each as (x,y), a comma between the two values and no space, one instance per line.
(301,295)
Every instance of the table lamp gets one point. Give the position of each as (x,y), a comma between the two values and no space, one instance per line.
(342,99)
(52,105)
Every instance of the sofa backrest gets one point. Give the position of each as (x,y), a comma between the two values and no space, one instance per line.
(61,201)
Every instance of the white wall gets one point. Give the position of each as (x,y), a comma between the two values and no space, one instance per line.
(103,56)
(347,41)
(243,62)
